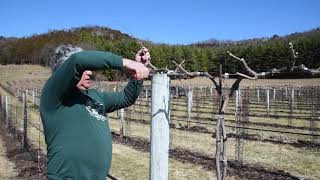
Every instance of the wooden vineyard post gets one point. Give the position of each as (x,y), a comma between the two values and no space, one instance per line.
(159,158)
(25,121)
(2,108)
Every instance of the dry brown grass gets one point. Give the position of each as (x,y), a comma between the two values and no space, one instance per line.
(19,72)
(130,164)
(7,168)
(300,162)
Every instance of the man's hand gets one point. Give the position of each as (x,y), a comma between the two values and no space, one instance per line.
(143,56)
(137,70)
(85,81)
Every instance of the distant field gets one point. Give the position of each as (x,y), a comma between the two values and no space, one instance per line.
(17,72)
(20,72)
(253,83)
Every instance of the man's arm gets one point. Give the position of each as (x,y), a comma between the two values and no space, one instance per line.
(118,100)
(61,83)
(127,97)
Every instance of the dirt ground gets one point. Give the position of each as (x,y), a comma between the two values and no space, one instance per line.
(244,171)
(19,164)
(7,168)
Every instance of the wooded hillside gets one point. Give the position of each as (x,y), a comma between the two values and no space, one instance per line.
(261,53)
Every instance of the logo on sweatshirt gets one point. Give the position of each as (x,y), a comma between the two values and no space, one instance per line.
(96,110)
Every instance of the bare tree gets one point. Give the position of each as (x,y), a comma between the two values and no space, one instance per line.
(300,71)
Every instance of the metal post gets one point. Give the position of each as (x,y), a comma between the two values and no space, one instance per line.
(286,92)
(258,95)
(33,98)
(190,94)
(237,101)
(122,116)
(159,158)
(268,102)
(292,96)
(7,111)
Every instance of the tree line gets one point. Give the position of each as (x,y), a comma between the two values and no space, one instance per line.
(262,54)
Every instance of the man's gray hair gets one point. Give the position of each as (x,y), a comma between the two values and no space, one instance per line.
(62,53)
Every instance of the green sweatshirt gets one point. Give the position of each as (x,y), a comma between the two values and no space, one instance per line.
(77,134)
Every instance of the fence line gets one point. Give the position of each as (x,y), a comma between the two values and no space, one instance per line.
(201,106)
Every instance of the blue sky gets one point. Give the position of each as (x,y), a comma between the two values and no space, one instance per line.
(166,21)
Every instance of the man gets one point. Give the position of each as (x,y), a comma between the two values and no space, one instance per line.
(77,134)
